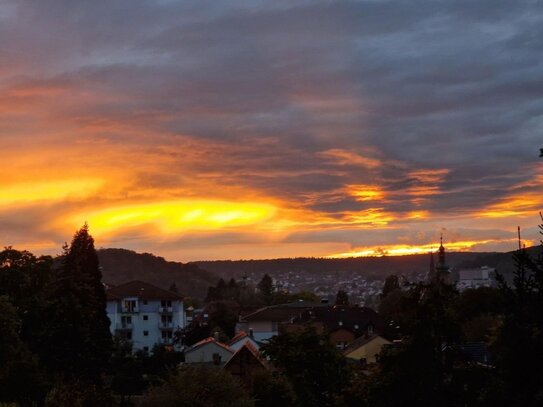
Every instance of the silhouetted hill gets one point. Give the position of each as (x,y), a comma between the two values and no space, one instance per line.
(120,266)
(370,267)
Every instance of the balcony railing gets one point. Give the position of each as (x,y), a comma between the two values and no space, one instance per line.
(165,325)
(165,310)
(124,327)
(125,310)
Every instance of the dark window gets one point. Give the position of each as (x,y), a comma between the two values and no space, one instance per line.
(145,333)
(144,302)
(146,348)
(145,317)
(129,335)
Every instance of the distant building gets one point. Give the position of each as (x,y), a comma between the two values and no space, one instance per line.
(343,324)
(265,322)
(144,314)
(475,278)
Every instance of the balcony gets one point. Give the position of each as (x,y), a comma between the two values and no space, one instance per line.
(123,327)
(129,310)
(165,325)
(165,310)
(166,341)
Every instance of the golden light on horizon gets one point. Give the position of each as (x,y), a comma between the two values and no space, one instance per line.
(170,217)
(405,249)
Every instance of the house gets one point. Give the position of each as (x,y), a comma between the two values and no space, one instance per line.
(208,350)
(366,348)
(475,278)
(264,323)
(144,314)
(240,339)
(343,324)
(245,362)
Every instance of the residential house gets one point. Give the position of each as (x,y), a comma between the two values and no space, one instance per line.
(208,350)
(366,348)
(343,324)
(264,323)
(245,362)
(240,339)
(144,314)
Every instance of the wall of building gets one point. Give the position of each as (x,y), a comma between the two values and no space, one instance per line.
(146,322)
(204,354)
(370,350)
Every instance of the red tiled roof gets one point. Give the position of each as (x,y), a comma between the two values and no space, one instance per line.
(249,347)
(141,290)
(210,340)
(240,335)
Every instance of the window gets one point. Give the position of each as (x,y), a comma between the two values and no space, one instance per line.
(146,349)
(341,344)
(129,336)
(144,302)
(130,305)
(126,320)
(145,333)
(146,317)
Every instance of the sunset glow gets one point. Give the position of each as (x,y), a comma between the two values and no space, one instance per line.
(198,132)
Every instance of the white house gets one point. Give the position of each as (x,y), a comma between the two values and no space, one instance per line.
(208,350)
(475,278)
(144,314)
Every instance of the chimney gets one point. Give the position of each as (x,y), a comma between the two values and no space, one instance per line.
(251,333)
(216,335)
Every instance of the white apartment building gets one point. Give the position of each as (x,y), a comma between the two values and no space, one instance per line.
(144,314)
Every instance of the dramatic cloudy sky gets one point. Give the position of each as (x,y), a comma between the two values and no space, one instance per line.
(252,129)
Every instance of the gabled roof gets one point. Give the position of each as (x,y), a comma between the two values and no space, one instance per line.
(207,341)
(359,342)
(248,347)
(354,319)
(141,290)
(237,337)
(281,312)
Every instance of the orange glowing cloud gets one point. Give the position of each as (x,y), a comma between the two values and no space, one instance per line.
(48,190)
(170,217)
(366,192)
(519,206)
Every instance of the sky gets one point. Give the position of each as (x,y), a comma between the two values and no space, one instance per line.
(259,129)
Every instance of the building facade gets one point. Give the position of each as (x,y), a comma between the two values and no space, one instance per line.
(145,315)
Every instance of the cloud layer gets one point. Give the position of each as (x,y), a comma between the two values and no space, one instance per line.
(318,128)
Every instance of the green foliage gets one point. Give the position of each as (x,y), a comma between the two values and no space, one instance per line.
(271,390)
(315,368)
(20,378)
(519,343)
(198,387)
(77,394)
(342,298)
(265,287)
(79,341)
(392,283)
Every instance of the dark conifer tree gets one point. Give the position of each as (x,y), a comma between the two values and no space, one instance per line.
(342,298)
(80,341)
